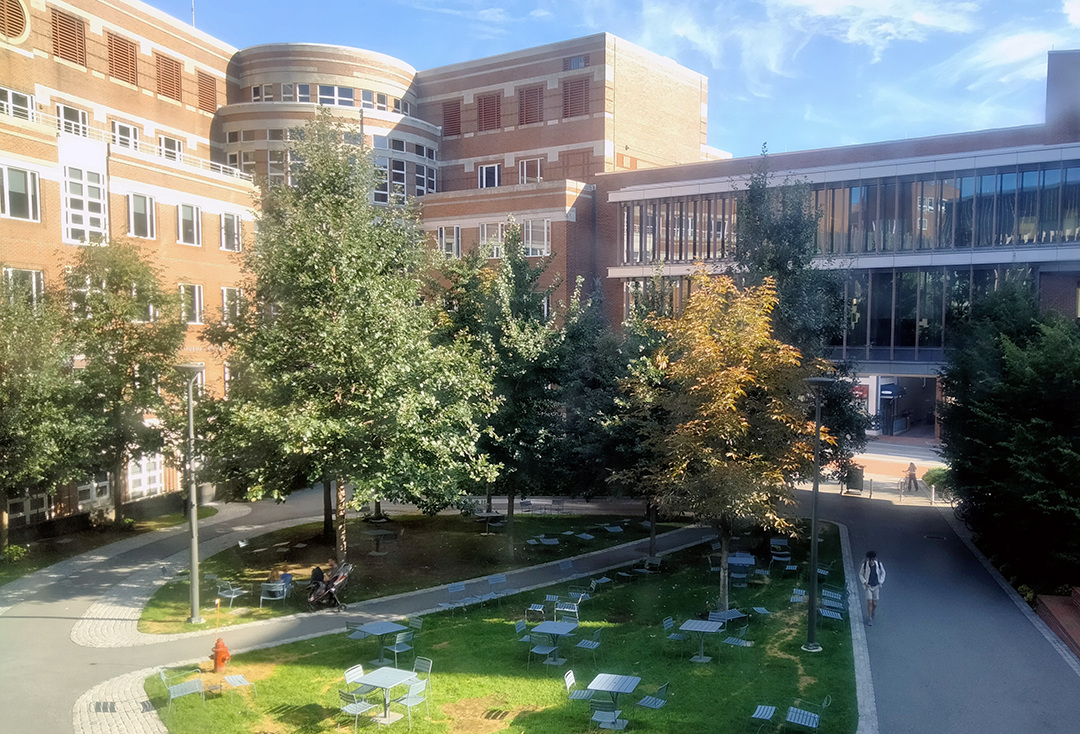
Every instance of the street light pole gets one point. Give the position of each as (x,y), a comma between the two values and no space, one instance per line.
(192,371)
(815,383)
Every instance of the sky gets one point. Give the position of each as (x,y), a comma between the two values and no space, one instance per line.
(792,74)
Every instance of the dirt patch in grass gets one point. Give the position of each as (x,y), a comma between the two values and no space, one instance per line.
(481,715)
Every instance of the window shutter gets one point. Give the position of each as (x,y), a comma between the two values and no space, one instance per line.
(207,92)
(12,19)
(575,97)
(68,38)
(168,77)
(451,115)
(531,105)
(489,112)
(122,59)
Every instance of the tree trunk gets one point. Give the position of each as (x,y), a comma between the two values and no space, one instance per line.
(489,498)
(342,540)
(725,539)
(509,525)
(377,507)
(652,529)
(328,512)
(118,485)
(3,523)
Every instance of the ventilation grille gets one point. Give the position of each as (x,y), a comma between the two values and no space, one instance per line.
(489,112)
(451,118)
(575,62)
(122,59)
(575,98)
(207,92)
(68,37)
(168,77)
(531,106)
(12,19)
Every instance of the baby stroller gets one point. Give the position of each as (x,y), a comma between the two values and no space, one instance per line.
(324,593)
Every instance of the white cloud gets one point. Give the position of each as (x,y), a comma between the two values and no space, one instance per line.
(1071,8)
(1007,58)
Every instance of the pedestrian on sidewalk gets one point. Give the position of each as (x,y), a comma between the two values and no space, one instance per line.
(911,478)
(872,576)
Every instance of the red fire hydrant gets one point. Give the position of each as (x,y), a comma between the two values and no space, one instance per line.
(220,656)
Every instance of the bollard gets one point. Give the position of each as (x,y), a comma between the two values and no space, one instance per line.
(933,492)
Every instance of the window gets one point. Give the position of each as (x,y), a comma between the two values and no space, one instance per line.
(401,106)
(530,105)
(380,142)
(575,97)
(72,120)
(529,170)
(382,182)
(262,93)
(340,96)
(353,138)
(230,232)
(96,488)
(84,205)
(451,118)
(397,144)
(171,148)
(233,136)
(275,133)
(68,38)
(125,135)
(16,104)
(233,160)
(295,92)
(30,284)
(367,99)
(140,216)
(491,238)
(247,136)
(488,176)
(230,304)
(146,476)
(489,112)
(19,189)
(191,303)
(535,236)
(247,162)
(425,180)
(397,180)
(381,101)
(277,169)
(188,224)
(450,241)
(168,76)
(575,62)
(207,92)
(122,59)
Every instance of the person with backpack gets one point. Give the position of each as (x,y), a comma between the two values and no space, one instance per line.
(872,576)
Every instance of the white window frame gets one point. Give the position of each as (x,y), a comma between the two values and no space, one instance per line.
(277,166)
(18,104)
(31,179)
(151,224)
(247,162)
(84,212)
(146,476)
(424,179)
(336,96)
(34,278)
(231,241)
(525,175)
(196,303)
(196,216)
(483,176)
(491,238)
(93,491)
(293,92)
(262,93)
(381,193)
(536,237)
(450,247)
(125,135)
(230,303)
(78,124)
(171,148)
(398,181)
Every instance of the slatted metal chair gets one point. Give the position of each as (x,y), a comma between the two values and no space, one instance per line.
(575,694)
(456,598)
(423,665)
(400,645)
(354,674)
(671,635)
(738,638)
(352,705)
(226,590)
(831,614)
(764,715)
(606,716)
(418,694)
(649,565)
(800,713)
(541,649)
(355,633)
(657,701)
(592,645)
(184,688)
(521,631)
(271,591)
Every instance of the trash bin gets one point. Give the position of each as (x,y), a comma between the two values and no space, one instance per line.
(855,479)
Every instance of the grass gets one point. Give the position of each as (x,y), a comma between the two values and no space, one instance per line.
(423,552)
(44,553)
(480,682)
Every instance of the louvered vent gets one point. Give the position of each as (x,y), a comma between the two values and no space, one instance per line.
(68,38)
(168,77)
(451,118)
(575,62)
(207,92)
(12,19)
(575,97)
(122,59)
(530,105)
(489,112)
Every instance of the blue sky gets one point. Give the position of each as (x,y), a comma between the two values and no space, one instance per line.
(796,74)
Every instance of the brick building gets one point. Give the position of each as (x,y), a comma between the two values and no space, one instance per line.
(118,121)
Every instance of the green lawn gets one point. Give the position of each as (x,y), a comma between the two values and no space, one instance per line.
(44,553)
(422,552)
(480,681)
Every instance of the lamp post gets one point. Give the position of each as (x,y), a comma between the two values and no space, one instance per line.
(192,371)
(815,384)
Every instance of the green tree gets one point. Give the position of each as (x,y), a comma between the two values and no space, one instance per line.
(45,440)
(1011,434)
(721,406)
(777,225)
(336,373)
(128,333)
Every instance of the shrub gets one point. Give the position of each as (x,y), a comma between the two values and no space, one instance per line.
(15,553)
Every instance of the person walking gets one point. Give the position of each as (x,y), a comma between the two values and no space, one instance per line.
(872,576)
(911,479)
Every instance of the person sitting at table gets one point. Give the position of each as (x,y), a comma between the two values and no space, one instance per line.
(275,575)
